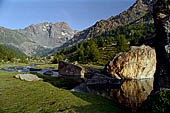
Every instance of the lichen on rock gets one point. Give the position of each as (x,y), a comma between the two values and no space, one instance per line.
(137,63)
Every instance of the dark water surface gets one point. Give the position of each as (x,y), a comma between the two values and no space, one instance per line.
(130,94)
(30,69)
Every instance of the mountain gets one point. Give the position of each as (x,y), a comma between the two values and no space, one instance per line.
(39,39)
(140,11)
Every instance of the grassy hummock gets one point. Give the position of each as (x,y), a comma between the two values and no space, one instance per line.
(18,96)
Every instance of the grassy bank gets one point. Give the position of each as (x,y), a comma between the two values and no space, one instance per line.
(43,66)
(5,65)
(42,97)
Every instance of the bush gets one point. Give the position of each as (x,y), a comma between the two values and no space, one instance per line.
(159,103)
(58,58)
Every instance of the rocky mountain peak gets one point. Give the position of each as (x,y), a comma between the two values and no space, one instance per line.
(38,38)
(48,34)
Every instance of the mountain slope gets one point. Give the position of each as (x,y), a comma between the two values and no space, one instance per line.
(140,11)
(37,40)
(48,35)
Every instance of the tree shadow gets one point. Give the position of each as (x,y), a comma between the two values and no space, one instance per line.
(60,82)
(98,104)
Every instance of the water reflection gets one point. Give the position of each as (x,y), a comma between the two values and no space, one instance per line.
(130,94)
(32,70)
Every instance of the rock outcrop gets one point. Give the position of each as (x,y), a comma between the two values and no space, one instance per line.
(137,63)
(161,14)
(70,70)
(99,79)
(27,77)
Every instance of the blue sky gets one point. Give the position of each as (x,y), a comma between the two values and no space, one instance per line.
(79,14)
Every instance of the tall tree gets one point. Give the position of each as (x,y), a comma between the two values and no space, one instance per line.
(161,16)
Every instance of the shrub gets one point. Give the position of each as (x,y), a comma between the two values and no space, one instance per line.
(158,103)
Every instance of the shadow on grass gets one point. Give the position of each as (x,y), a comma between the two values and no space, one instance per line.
(60,82)
(98,104)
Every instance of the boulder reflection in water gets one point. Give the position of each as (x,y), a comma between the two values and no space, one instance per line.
(130,94)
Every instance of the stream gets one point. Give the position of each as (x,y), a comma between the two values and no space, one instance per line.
(130,93)
(46,71)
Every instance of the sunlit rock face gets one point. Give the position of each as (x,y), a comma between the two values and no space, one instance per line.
(161,16)
(137,63)
(132,93)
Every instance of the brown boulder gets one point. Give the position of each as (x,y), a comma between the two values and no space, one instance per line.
(67,69)
(137,63)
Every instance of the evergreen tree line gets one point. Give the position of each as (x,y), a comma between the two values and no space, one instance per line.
(8,54)
(121,38)
(135,34)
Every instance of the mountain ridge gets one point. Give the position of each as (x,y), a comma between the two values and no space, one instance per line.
(140,11)
(37,39)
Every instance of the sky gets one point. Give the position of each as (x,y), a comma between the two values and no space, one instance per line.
(79,14)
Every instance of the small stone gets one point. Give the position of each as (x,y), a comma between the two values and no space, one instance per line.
(27,77)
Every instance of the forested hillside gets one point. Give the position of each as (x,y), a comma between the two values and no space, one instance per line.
(9,53)
(102,48)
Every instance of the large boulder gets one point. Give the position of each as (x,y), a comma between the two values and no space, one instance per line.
(27,77)
(137,63)
(70,70)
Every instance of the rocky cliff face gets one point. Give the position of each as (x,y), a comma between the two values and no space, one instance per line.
(37,39)
(137,63)
(141,11)
(49,35)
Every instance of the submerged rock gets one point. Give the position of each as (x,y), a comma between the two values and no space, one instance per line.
(27,77)
(137,63)
(48,73)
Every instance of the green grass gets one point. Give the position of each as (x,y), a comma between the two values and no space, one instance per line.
(18,96)
(43,66)
(92,66)
(5,65)
(107,53)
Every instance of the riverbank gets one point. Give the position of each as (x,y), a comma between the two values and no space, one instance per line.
(42,97)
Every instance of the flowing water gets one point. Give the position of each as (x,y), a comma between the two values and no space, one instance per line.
(28,69)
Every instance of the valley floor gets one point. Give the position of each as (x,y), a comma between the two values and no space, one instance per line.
(18,96)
